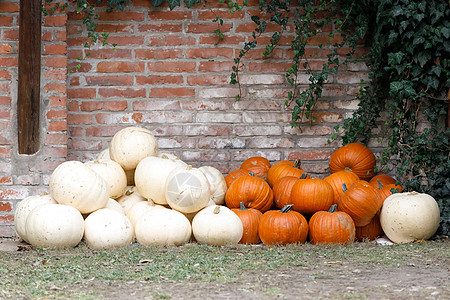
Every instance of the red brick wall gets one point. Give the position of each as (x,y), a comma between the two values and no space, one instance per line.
(24,175)
(168,75)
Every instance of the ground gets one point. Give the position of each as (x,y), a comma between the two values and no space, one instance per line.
(367,271)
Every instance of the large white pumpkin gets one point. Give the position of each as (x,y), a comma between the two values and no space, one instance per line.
(150,177)
(131,145)
(129,198)
(163,227)
(406,217)
(187,190)
(75,184)
(108,228)
(54,226)
(113,173)
(104,154)
(217,226)
(23,209)
(139,209)
(217,183)
(113,204)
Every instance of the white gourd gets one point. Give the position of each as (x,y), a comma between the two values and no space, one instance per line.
(113,204)
(163,227)
(113,173)
(217,226)
(23,209)
(104,154)
(187,190)
(150,177)
(138,209)
(131,145)
(217,184)
(107,228)
(129,198)
(54,226)
(406,217)
(73,183)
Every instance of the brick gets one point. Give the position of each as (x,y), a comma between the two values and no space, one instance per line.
(11,34)
(176,143)
(171,40)
(250,27)
(218,117)
(75,131)
(215,66)
(207,27)
(28,179)
(333,91)
(74,93)
(266,66)
(5,167)
(316,168)
(5,48)
(9,61)
(5,88)
(126,40)
(6,219)
(45,166)
(158,53)
(125,92)
(81,144)
(247,130)
(5,100)
(271,155)
(228,39)
(208,130)
(5,75)
(112,80)
(257,53)
(117,15)
(166,130)
(8,7)
(262,79)
(206,105)
(208,79)
(60,35)
(6,21)
(156,105)
(308,129)
(102,131)
(5,113)
(6,180)
(269,93)
(179,66)
(57,87)
(55,49)
(58,101)
(159,79)
(205,156)
(14,193)
(56,113)
(108,53)
(55,62)
(171,92)
(259,104)
(225,14)
(120,66)
(5,152)
(160,28)
(161,15)
(79,119)
(225,92)
(266,117)
(5,206)
(346,104)
(128,28)
(271,142)
(56,139)
(55,20)
(315,142)
(308,155)
(153,117)
(221,143)
(55,74)
(103,105)
(57,126)
(322,117)
(352,78)
(208,53)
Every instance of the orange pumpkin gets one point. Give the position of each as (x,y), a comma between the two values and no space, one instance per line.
(233,175)
(282,191)
(311,195)
(361,201)
(281,227)
(284,168)
(387,190)
(250,220)
(331,227)
(353,157)
(337,179)
(383,178)
(253,191)
(258,165)
(371,231)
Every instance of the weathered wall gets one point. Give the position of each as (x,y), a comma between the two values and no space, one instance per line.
(168,75)
(24,175)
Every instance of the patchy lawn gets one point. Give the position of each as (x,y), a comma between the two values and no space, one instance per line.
(361,270)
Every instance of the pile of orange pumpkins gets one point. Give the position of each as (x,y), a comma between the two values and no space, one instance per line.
(341,207)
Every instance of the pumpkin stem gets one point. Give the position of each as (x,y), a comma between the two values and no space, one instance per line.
(44,193)
(380,185)
(189,167)
(348,169)
(216,210)
(164,156)
(286,208)
(251,174)
(344,187)
(129,192)
(303,176)
(298,164)
(242,206)
(332,208)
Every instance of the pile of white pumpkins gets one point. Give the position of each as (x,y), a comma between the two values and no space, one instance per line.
(131,192)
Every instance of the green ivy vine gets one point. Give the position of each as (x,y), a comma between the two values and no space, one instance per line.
(409,61)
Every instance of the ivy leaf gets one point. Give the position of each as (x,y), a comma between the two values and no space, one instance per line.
(395,87)
(157,3)
(190,3)
(173,3)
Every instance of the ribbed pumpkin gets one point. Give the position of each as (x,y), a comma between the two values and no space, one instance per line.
(383,178)
(389,189)
(361,201)
(284,168)
(258,165)
(282,191)
(353,157)
(281,227)
(337,179)
(371,231)
(250,220)
(253,191)
(233,175)
(311,195)
(331,227)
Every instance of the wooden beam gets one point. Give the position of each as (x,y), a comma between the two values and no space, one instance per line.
(29,76)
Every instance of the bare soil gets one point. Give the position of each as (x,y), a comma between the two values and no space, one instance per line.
(420,277)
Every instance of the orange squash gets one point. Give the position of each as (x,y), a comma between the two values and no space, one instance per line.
(354,157)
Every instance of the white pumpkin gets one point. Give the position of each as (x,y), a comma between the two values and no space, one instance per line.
(107,228)
(187,189)
(190,216)
(113,204)
(23,209)
(75,184)
(174,158)
(104,154)
(163,227)
(129,198)
(113,173)
(138,209)
(132,144)
(217,226)
(217,184)
(54,226)
(150,177)
(406,217)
